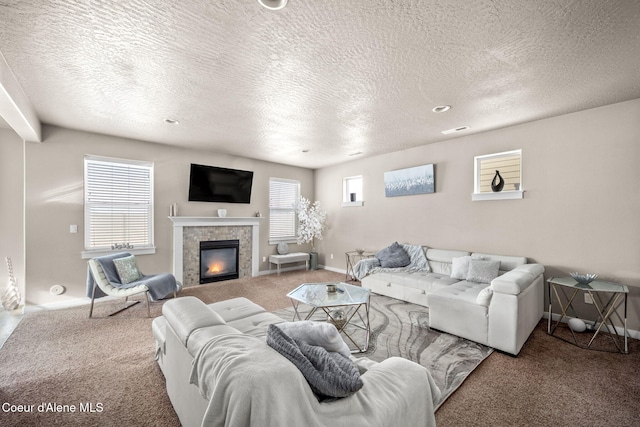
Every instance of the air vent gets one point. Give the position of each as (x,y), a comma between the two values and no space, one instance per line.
(458,129)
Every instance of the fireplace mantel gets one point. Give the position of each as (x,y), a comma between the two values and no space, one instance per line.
(179,222)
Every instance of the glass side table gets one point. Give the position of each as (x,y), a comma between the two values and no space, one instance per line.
(352,259)
(606,297)
(348,306)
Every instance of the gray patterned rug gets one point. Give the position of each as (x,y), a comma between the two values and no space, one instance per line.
(401,329)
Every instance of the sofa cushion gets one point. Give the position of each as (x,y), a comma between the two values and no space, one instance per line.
(203,335)
(513,282)
(482,271)
(460,267)
(440,259)
(393,256)
(236,308)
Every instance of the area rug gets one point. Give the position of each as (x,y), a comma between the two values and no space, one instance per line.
(401,329)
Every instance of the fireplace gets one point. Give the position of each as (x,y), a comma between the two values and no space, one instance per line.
(219,260)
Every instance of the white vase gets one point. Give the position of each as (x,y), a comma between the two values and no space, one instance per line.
(222,213)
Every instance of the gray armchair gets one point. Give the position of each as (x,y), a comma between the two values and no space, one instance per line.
(103,279)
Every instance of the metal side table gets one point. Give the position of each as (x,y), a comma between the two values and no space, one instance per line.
(352,259)
(606,297)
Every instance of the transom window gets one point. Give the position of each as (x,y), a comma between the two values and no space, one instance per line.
(118,206)
(508,165)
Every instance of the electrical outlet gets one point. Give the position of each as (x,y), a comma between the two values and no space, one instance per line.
(331,256)
(73,228)
(587,298)
(264,259)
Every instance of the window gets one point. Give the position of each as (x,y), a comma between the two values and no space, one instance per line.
(118,206)
(509,165)
(283,196)
(352,191)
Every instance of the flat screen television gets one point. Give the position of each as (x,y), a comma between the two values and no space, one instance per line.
(214,184)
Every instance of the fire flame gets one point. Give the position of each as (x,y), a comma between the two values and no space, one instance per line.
(214,268)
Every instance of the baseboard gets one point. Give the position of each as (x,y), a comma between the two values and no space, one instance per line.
(632,333)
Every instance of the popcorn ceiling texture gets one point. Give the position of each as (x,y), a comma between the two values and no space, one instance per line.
(192,236)
(333,77)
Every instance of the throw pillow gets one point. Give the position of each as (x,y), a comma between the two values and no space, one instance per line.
(417,256)
(460,267)
(484,297)
(393,256)
(483,271)
(127,269)
(328,373)
(321,334)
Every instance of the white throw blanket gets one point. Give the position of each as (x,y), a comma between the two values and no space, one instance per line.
(247,383)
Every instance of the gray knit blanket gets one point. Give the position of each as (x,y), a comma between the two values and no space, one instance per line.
(329,374)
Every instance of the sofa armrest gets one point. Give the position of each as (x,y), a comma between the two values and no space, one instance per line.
(187,314)
(515,281)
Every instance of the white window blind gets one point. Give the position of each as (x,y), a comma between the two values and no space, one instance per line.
(118,204)
(283,196)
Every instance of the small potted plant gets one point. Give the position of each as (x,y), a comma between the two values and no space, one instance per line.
(311,219)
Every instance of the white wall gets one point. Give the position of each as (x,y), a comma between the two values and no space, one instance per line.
(54,200)
(11,206)
(580,211)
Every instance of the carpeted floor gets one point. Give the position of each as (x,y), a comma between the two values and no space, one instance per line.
(104,369)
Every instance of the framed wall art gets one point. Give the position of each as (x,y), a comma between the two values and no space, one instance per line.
(410,181)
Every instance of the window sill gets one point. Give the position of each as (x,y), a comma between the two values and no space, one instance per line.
(502,195)
(88,254)
(356,203)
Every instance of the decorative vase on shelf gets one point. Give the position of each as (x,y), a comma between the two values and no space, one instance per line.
(497,184)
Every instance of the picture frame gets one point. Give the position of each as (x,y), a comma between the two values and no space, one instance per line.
(410,181)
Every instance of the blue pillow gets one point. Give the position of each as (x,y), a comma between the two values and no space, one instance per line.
(393,256)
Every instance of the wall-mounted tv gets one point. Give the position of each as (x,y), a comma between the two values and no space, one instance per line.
(214,184)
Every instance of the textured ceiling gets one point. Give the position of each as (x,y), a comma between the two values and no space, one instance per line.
(333,77)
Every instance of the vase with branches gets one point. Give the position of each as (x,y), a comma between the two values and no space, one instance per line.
(311,219)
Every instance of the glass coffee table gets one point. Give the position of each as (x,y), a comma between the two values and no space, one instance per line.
(347,308)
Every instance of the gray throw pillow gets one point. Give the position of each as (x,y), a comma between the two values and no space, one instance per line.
(483,271)
(127,269)
(393,256)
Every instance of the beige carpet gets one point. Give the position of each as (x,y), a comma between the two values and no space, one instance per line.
(64,358)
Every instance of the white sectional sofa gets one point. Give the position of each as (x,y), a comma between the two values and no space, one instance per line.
(219,350)
(501,313)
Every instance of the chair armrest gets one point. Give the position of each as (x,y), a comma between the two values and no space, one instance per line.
(517,280)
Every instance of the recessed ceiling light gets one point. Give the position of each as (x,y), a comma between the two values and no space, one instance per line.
(458,129)
(273,4)
(441,108)
(171,121)
(306,150)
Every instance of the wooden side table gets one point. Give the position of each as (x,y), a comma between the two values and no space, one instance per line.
(352,259)
(606,297)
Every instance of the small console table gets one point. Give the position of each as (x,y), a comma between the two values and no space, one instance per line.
(352,259)
(278,260)
(614,295)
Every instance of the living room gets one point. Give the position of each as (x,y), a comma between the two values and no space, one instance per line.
(578,213)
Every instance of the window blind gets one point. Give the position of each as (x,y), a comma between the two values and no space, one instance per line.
(118,203)
(283,196)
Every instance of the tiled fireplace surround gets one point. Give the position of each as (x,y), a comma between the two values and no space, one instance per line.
(188,232)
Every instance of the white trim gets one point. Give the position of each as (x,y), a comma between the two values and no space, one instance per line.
(501,195)
(356,203)
(133,251)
